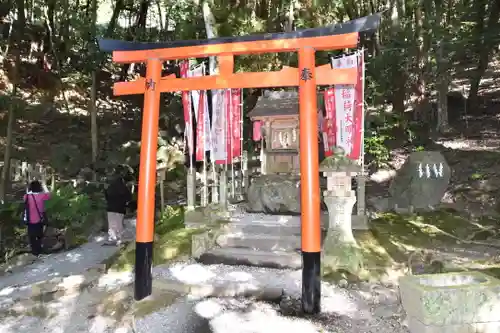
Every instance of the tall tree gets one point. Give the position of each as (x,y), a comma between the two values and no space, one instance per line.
(93,90)
(485,44)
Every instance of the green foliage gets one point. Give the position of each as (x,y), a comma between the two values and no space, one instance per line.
(378,133)
(67,206)
(170,219)
(12,230)
(375,149)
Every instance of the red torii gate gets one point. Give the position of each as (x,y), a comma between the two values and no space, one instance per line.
(306,77)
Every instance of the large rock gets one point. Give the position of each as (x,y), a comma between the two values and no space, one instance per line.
(421,182)
(274,194)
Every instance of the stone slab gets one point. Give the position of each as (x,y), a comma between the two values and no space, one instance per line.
(249,257)
(283,224)
(451,298)
(229,289)
(493,327)
(416,326)
(263,242)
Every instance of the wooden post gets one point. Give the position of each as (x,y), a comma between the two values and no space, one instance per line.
(361,179)
(244,172)
(215,184)
(309,179)
(163,173)
(147,182)
(223,189)
(191,189)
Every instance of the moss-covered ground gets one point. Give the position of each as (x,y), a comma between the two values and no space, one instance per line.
(393,238)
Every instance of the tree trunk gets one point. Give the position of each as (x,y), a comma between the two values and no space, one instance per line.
(5,180)
(211,30)
(160,15)
(420,107)
(114,18)
(442,123)
(93,92)
(487,45)
(19,24)
(442,112)
(137,32)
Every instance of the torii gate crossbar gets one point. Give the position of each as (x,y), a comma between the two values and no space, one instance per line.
(307,77)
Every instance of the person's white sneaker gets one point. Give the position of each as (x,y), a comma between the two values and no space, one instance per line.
(110,242)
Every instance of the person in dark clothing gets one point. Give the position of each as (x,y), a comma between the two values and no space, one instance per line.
(118,197)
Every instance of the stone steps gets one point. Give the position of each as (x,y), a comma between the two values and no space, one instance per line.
(282,225)
(250,257)
(260,242)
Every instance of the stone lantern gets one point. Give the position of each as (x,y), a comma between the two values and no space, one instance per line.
(340,250)
(339,196)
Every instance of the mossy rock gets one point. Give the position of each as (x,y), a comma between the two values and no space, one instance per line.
(205,215)
(338,255)
(339,162)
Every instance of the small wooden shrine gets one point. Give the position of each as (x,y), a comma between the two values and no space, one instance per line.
(275,121)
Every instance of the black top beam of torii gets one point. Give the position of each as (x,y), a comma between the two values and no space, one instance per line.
(366,25)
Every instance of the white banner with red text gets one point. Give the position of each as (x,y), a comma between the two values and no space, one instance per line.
(348,111)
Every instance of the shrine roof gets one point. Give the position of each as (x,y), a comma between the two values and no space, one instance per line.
(278,103)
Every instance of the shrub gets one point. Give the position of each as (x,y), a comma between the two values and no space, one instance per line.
(68,206)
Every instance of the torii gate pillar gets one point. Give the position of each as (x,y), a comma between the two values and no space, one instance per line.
(309,182)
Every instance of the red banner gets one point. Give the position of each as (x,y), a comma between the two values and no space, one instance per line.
(236,122)
(257,125)
(186,103)
(329,127)
(200,129)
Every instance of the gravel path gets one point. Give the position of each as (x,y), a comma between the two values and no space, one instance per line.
(365,308)
(67,263)
(61,264)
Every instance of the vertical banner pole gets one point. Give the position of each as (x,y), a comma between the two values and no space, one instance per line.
(223,174)
(231,142)
(147,182)
(361,184)
(188,119)
(204,192)
(309,178)
(242,162)
(363,109)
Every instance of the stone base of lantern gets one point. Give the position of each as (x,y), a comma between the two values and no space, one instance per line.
(340,250)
